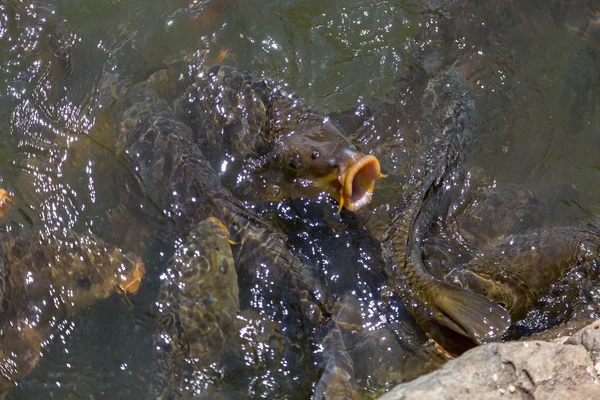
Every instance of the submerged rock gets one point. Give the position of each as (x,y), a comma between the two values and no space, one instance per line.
(519,370)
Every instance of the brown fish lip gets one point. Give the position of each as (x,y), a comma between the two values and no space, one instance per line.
(357,179)
(130,283)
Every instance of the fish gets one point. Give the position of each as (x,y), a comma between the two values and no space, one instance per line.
(310,154)
(522,268)
(197,304)
(484,214)
(173,175)
(455,318)
(44,279)
(289,149)
(337,381)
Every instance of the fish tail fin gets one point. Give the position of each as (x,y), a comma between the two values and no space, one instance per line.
(5,198)
(472,317)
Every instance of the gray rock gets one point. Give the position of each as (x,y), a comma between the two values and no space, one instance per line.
(589,337)
(515,370)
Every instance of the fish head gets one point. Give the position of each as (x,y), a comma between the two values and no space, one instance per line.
(95,272)
(316,157)
(130,270)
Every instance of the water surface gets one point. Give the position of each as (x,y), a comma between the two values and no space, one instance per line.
(533,65)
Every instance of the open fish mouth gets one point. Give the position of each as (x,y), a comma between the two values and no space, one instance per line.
(357,179)
(130,280)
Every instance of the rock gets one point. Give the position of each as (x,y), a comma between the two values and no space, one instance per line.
(516,370)
(588,337)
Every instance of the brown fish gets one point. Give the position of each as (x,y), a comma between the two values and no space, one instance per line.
(198,303)
(456,318)
(46,279)
(313,156)
(519,270)
(289,148)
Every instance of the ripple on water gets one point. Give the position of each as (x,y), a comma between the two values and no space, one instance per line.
(533,66)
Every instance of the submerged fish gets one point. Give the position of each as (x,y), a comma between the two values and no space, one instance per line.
(197,305)
(45,279)
(289,149)
(456,318)
(519,270)
(338,380)
(485,214)
(174,175)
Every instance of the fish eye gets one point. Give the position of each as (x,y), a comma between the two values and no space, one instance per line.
(206,301)
(84,283)
(223,265)
(275,190)
(314,155)
(294,164)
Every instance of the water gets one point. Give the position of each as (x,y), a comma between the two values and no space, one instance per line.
(534,67)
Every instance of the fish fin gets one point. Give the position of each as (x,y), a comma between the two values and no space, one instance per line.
(337,379)
(468,313)
(593,225)
(5,198)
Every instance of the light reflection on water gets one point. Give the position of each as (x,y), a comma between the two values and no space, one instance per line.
(534,71)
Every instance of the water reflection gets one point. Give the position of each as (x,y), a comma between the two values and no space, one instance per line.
(533,67)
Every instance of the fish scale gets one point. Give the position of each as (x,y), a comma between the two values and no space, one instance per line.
(455,318)
(46,279)
(522,268)
(173,173)
(198,303)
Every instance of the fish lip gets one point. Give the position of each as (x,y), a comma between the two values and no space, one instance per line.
(221,226)
(131,280)
(357,179)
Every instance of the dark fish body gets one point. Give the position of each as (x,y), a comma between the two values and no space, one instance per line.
(456,318)
(494,215)
(185,190)
(198,304)
(285,143)
(490,214)
(485,215)
(338,380)
(519,270)
(46,279)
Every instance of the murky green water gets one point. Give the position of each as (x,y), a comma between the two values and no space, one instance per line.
(534,66)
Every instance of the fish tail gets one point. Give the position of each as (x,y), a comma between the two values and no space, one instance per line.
(468,313)
(458,319)
(449,312)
